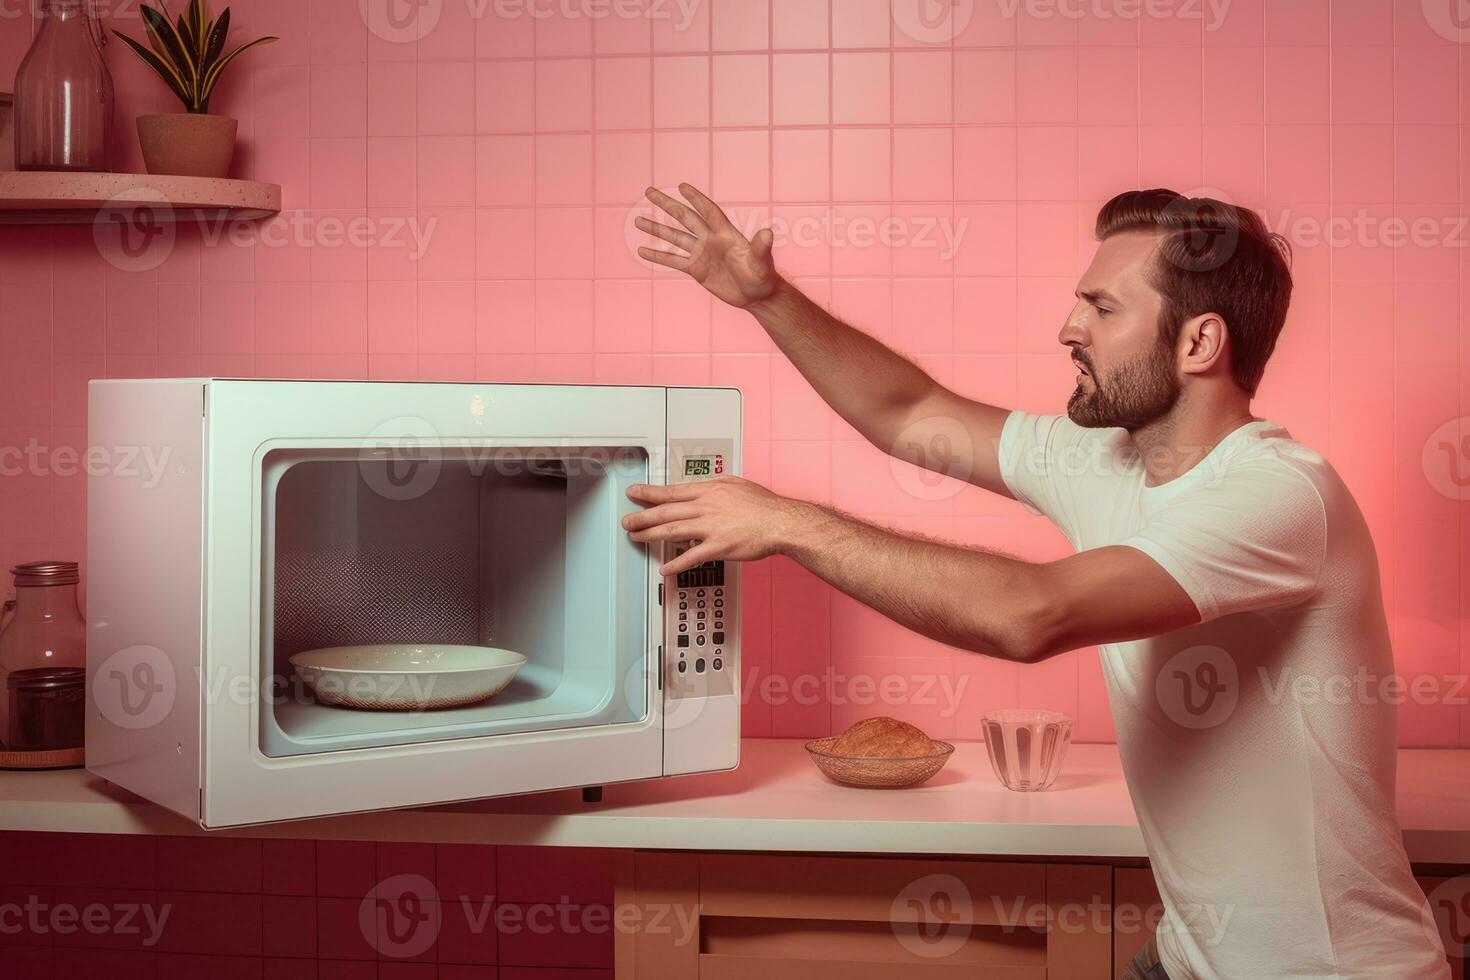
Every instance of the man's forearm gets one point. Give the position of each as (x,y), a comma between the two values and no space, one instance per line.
(971,599)
(865,382)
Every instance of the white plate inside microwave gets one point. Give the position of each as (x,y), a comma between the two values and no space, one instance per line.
(406,676)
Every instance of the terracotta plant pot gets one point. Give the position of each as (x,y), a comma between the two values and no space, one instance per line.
(187,144)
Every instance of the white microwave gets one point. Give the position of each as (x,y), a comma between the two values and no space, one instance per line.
(238,522)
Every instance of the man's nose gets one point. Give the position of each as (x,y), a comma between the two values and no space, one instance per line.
(1072,334)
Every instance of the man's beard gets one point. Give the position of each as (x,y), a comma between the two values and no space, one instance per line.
(1134,394)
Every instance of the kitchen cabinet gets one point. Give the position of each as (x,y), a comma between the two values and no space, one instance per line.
(742,916)
(725,916)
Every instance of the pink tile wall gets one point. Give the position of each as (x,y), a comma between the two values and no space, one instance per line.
(177,908)
(867,135)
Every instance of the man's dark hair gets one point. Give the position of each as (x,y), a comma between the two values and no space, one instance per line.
(1214,258)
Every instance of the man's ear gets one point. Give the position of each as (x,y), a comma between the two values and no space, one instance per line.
(1204,344)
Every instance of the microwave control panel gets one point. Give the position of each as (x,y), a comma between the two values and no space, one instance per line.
(701,615)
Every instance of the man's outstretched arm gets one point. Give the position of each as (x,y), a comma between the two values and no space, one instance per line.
(887,398)
(972,599)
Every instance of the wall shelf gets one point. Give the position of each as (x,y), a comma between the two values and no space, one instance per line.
(45,197)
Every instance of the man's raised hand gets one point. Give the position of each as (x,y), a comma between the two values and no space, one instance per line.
(710,249)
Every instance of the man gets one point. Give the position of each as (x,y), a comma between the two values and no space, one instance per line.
(1222,567)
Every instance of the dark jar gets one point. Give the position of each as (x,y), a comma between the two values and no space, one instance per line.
(46,630)
(46,708)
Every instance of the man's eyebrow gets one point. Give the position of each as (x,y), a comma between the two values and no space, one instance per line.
(1099,295)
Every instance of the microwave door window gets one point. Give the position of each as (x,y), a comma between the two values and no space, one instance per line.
(449,593)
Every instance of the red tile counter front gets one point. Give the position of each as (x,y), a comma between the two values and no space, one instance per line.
(178,908)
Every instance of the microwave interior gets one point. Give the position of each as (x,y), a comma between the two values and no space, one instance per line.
(513,547)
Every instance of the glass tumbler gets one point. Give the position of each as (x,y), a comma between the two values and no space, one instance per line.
(1026,746)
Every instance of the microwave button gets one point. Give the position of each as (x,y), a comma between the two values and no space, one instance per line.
(683,627)
(699,640)
(719,591)
(700,593)
(699,666)
(683,616)
(700,614)
(719,603)
(717,663)
(684,641)
(700,603)
(719,637)
(682,666)
(683,605)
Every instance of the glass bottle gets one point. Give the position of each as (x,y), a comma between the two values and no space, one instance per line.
(42,627)
(63,94)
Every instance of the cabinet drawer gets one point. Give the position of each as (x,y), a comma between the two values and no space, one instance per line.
(715,967)
(773,917)
(867,888)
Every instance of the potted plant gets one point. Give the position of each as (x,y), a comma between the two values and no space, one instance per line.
(189,56)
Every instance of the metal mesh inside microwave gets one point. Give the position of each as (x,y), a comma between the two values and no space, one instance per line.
(355,566)
(335,597)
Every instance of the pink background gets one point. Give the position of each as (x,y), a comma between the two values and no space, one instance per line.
(528,140)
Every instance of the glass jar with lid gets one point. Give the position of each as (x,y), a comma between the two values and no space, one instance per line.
(63,93)
(42,626)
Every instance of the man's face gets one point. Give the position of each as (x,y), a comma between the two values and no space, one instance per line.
(1126,373)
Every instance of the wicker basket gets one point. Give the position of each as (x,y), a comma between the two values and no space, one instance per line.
(877,772)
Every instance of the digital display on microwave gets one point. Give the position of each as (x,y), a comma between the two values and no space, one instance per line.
(710,573)
(697,467)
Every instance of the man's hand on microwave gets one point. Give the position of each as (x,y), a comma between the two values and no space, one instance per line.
(709,248)
(731,519)
(966,597)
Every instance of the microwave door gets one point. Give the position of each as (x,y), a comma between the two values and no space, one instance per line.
(489,535)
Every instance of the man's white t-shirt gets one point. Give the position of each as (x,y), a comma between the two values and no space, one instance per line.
(1259,745)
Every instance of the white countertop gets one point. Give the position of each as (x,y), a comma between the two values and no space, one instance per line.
(775,801)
